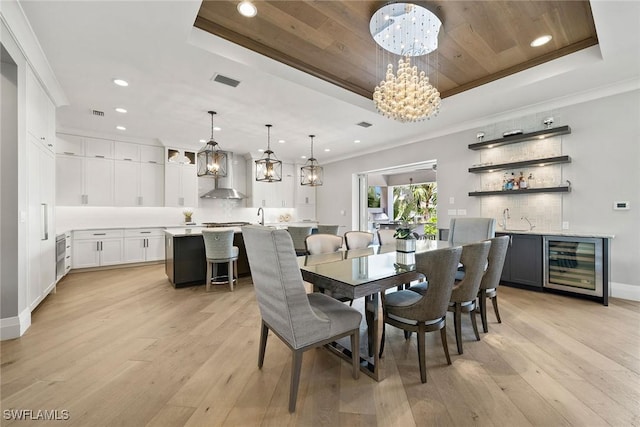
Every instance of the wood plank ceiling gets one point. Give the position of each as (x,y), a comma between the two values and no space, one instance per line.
(480,41)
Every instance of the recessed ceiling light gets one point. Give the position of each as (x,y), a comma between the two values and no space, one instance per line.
(327,149)
(203,141)
(248,9)
(121,82)
(357,141)
(261,150)
(121,128)
(303,157)
(121,110)
(281,141)
(217,128)
(541,41)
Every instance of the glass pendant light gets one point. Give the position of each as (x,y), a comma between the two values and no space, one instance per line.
(212,161)
(311,173)
(268,168)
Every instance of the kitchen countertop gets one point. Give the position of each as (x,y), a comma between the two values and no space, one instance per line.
(195,231)
(565,233)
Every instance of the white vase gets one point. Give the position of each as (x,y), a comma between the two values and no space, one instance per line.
(406,245)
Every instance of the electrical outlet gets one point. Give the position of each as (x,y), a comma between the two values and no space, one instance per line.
(451,200)
(565,225)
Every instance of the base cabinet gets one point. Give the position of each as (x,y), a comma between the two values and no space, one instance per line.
(523,264)
(142,245)
(96,248)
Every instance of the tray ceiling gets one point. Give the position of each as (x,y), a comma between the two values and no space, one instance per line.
(480,41)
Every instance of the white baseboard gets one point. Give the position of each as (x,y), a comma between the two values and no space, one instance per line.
(625,291)
(14,327)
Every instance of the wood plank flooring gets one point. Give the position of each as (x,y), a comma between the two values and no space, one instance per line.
(122,347)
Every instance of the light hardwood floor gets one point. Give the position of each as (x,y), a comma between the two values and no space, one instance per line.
(122,347)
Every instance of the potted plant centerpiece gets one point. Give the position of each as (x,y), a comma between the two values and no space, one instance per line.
(405,240)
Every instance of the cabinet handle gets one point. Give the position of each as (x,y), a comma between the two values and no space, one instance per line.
(306,200)
(49,145)
(98,246)
(45,221)
(128,160)
(152,161)
(70,153)
(100,157)
(140,199)
(181,201)
(145,232)
(99,234)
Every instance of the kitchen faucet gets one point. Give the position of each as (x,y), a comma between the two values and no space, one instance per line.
(505,217)
(531,226)
(261,211)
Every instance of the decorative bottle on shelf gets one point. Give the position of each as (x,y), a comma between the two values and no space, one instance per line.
(523,182)
(514,182)
(530,180)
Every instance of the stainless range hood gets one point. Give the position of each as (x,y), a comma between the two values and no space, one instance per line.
(223,188)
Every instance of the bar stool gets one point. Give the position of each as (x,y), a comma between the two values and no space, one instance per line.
(328,229)
(219,249)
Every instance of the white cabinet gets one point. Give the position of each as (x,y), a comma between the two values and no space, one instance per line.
(126,151)
(71,145)
(126,183)
(151,184)
(100,148)
(95,248)
(41,224)
(305,198)
(68,252)
(40,112)
(145,244)
(150,154)
(84,181)
(270,194)
(180,185)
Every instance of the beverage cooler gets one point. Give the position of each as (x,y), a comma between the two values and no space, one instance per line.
(577,265)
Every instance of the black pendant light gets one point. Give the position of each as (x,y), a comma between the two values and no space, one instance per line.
(311,173)
(212,161)
(268,168)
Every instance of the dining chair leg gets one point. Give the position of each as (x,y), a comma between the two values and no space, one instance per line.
(421,352)
(230,275)
(296,366)
(207,279)
(472,314)
(407,335)
(382,340)
(445,346)
(494,301)
(482,302)
(370,319)
(457,323)
(355,353)
(235,271)
(264,333)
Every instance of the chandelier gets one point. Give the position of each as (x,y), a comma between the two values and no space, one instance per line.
(212,161)
(406,35)
(268,168)
(311,173)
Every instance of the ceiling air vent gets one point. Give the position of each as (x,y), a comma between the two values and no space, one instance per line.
(365,124)
(97,113)
(226,80)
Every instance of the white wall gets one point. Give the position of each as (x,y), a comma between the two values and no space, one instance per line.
(604,147)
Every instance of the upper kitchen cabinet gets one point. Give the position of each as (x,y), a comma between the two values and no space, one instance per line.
(151,154)
(71,145)
(40,113)
(270,194)
(126,151)
(180,178)
(84,181)
(100,148)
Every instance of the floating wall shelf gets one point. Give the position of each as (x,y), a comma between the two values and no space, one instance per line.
(525,163)
(541,134)
(562,189)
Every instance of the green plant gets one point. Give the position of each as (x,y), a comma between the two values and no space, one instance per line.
(416,202)
(403,232)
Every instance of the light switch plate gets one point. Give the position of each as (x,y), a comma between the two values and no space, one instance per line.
(451,212)
(565,225)
(452,200)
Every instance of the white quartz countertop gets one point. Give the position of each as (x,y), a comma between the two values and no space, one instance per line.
(195,231)
(565,233)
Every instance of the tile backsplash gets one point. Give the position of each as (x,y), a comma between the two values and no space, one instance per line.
(543,210)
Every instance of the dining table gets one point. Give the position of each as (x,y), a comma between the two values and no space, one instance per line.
(364,273)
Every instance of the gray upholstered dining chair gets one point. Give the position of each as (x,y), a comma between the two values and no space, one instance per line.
(302,321)
(427,312)
(470,230)
(322,243)
(219,249)
(358,239)
(491,278)
(328,229)
(385,236)
(465,291)
(298,235)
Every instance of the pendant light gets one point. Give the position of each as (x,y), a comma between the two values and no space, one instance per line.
(311,173)
(212,161)
(268,168)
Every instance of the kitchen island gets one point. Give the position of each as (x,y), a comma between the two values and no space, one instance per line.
(185,262)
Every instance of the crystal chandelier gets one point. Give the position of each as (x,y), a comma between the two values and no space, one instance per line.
(406,34)
(268,168)
(311,173)
(212,161)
